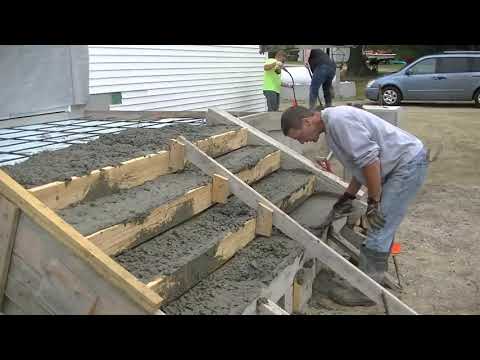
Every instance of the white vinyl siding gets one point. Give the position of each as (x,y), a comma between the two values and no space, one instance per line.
(179,77)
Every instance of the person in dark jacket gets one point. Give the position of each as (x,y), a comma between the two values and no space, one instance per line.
(323,70)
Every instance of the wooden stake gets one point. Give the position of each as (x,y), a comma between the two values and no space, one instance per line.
(220,190)
(177,155)
(264,220)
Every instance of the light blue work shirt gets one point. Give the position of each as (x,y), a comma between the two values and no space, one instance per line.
(357,138)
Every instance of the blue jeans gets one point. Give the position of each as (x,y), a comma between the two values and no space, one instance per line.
(273,100)
(399,189)
(322,76)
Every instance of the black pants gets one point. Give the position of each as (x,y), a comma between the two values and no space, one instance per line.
(273,100)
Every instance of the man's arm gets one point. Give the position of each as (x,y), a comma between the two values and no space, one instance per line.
(353,187)
(270,66)
(306,56)
(373,179)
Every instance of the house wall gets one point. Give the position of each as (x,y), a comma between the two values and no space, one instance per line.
(39,79)
(178,77)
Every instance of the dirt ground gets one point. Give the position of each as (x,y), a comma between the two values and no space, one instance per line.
(440,254)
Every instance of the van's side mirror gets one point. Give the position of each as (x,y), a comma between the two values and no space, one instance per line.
(408,72)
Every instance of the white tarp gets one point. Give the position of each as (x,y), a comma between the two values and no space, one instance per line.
(42,78)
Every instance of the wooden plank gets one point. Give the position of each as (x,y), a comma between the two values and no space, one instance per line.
(172,286)
(176,156)
(61,194)
(119,237)
(220,144)
(268,307)
(264,220)
(64,292)
(303,286)
(294,230)
(9,214)
(220,191)
(38,249)
(330,181)
(68,237)
(58,291)
(128,174)
(22,286)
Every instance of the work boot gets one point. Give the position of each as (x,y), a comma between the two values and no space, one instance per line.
(372,263)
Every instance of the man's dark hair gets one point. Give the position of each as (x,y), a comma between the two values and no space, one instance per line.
(292,118)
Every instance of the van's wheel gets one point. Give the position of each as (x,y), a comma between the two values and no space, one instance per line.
(391,96)
(476,97)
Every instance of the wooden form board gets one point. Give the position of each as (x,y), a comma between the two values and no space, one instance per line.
(9,214)
(130,173)
(303,286)
(117,238)
(294,230)
(40,225)
(264,220)
(172,286)
(46,277)
(220,191)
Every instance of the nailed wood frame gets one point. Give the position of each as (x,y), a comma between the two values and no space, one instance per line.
(119,237)
(130,173)
(170,286)
(58,229)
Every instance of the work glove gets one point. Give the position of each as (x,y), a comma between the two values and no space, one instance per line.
(374,216)
(342,208)
(344,205)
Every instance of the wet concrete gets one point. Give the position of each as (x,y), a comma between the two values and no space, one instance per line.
(108,150)
(138,202)
(172,250)
(315,210)
(230,289)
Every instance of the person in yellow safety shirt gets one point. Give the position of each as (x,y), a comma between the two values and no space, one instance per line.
(272,80)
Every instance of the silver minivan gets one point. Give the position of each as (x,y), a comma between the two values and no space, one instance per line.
(450,76)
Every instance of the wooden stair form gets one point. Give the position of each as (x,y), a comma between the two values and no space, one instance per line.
(128,174)
(176,260)
(161,212)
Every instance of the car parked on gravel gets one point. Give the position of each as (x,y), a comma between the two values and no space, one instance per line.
(450,76)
